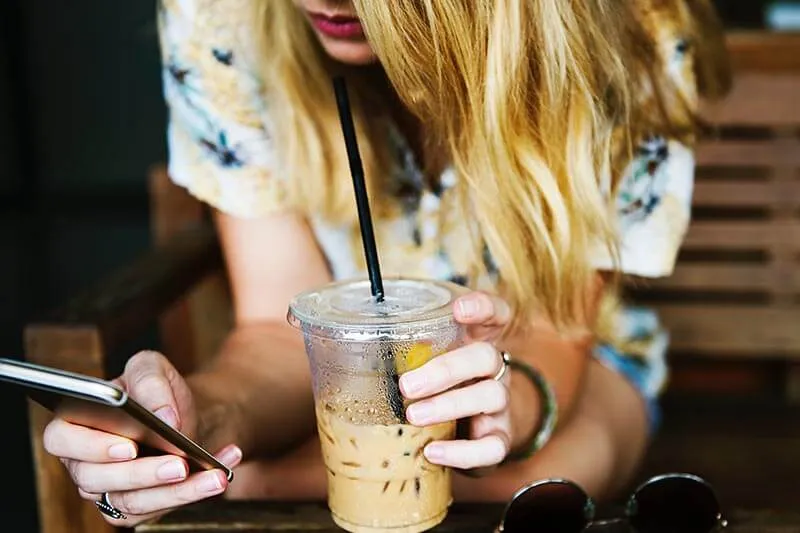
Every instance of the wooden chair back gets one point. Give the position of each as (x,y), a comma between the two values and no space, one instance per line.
(183,288)
(735,295)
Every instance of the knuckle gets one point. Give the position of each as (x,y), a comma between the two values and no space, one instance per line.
(128,502)
(485,302)
(486,357)
(147,383)
(138,477)
(499,449)
(502,310)
(184,493)
(487,397)
(500,396)
(77,471)
(448,367)
(482,425)
(447,405)
(86,495)
(53,438)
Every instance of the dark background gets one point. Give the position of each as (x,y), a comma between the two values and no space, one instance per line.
(81,120)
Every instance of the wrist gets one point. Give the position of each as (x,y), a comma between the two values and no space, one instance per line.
(542,414)
(526,411)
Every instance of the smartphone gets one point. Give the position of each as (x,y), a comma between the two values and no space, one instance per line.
(102,405)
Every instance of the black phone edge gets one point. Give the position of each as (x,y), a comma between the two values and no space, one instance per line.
(192,449)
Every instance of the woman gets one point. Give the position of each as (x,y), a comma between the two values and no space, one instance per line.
(530,150)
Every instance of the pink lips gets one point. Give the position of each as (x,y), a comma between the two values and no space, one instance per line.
(338,27)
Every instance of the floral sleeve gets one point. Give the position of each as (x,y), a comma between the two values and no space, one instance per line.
(653,204)
(218,134)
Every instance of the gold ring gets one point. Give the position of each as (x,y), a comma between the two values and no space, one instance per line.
(506,360)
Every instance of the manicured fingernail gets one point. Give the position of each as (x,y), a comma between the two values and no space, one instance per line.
(168,415)
(420,413)
(411,383)
(230,456)
(123,450)
(434,452)
(171,471)
(467,308)
(211,482)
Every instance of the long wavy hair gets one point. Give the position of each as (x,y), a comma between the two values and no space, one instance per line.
(529,100)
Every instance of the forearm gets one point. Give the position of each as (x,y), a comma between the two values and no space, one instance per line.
(560,357)
(600,446)
(562,362)
(256,393)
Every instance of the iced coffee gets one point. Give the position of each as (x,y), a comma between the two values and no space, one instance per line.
(378,477)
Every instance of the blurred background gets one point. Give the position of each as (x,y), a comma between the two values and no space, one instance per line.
(81,122)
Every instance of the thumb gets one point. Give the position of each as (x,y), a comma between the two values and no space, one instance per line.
(146,378)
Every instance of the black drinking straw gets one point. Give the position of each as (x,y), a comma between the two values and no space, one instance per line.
(393,394)
(360,187)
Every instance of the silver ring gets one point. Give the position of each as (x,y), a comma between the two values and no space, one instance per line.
(506,360)
(105,507)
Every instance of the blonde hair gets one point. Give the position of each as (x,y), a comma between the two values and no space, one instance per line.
(664,106)
(527,97)
(304,121)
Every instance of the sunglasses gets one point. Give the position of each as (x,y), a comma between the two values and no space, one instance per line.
(670,503)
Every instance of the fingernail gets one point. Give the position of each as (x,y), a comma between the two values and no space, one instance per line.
(171,471)
(467,308)
(411,383)
(168,415)
(420,413)
(434,452)
(211,482)
(230,456)
(123,450)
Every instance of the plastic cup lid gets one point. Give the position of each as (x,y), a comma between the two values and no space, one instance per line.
(347,310)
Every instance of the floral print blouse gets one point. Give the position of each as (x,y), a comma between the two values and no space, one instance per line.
(220,150)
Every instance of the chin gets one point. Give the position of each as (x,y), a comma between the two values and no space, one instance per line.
(351,53)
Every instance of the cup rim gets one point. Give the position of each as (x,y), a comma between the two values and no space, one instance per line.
(388,327)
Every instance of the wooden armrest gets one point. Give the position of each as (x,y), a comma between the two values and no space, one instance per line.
(82,337)
(121,306)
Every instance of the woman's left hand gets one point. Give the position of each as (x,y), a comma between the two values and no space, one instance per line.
(461,384)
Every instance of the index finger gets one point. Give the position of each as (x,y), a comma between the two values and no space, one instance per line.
(71,441)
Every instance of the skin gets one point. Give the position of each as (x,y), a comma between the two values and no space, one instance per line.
(260,381)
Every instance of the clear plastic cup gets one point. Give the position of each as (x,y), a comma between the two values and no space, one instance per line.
(378,477)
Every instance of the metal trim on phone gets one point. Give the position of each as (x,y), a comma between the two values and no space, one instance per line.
(64,382)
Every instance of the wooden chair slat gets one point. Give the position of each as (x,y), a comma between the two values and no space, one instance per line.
(717,277)
(733,330)
(766,52)
(736,193)
(743,235)
(769,153)
(757,100)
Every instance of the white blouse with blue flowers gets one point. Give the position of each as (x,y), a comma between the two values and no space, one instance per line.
(220,150)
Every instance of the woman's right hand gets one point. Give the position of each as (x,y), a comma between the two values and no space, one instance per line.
(141,488)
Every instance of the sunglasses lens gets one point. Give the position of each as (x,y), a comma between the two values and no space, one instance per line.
(678,504)
(554,507)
